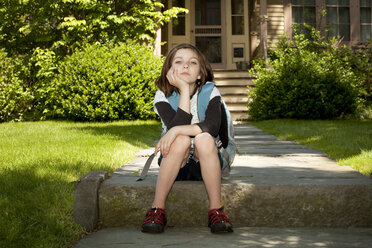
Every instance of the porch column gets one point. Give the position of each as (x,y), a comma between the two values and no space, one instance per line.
(157,43)
(263,28)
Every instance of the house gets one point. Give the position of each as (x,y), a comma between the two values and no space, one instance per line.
(232,32)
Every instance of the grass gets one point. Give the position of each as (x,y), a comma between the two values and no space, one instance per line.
(39,165)
(348,142)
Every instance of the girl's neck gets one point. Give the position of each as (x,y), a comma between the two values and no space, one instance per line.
(192,89)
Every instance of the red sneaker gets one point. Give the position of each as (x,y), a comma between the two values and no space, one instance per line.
(155,220)
(218,221)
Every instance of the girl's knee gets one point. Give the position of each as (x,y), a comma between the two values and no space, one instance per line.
(181,143)
(204,142)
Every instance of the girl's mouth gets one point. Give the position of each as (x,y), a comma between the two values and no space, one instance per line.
(185,73)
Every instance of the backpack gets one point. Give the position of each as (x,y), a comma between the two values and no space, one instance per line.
(227,149)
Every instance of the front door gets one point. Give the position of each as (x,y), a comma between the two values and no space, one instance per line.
(208,29)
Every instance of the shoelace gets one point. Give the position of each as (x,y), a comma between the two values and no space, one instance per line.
(217,216)
(155,215)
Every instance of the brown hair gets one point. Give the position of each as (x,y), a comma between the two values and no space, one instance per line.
(206,73)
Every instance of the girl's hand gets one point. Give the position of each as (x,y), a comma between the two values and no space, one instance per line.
(175,80)
(165,142)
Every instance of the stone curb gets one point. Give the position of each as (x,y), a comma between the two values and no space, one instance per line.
(86,199)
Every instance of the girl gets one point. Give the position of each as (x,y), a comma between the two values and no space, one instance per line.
(188,149)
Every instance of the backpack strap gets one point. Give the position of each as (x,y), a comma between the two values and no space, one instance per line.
(203,99)
(173,100)
(146,167)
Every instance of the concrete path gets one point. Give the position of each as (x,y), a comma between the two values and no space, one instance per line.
(241,237)
(253,141)
(272,184)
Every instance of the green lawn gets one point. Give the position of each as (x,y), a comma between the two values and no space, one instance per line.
(348,142)
(39,165)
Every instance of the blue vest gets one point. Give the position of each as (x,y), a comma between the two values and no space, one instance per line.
(204,95)
(203,99)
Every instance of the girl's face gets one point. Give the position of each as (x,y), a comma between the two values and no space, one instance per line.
(187,65)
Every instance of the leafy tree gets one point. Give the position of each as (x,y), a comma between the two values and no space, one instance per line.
(66,24)
(15,97)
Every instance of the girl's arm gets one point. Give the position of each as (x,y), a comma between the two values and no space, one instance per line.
(170,117)
(183,87)
(211,125)
(166,141)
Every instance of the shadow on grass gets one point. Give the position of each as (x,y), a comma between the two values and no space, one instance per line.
(36,197)
(36,207)
(133,133)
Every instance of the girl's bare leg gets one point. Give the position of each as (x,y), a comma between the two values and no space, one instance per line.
(206,151)
(169,168)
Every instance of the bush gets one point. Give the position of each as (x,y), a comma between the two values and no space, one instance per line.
(306,82)
(106,82)
(43,70)
(15,96)
(359,58)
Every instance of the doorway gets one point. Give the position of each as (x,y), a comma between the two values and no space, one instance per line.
(208,30)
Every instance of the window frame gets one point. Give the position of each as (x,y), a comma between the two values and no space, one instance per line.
(303,22)
(179,17)
(241,15)
(365,24)
(354,22)
(338,22)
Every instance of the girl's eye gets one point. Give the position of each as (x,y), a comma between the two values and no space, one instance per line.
(194,62)
(177,62)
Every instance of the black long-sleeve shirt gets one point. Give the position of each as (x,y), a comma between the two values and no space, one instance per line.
(171,118)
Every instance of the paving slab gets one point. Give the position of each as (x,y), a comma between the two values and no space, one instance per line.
(272,183)
(278,194)
(274,191)
(253,141)
(241,237)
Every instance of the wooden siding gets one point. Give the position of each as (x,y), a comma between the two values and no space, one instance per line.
(275,27)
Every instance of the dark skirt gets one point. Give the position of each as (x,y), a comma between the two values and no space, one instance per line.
(191,170)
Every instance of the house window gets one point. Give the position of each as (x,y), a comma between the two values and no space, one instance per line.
(303,12)
(338,18)
(351,20)
(178,25)
(207,12)
(365,20)
(237,17)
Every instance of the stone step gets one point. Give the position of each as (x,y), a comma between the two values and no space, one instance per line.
(231,99)
(231,74)
(239,116)
(233,90)
(272,183)
(237,107)
(261,191)
(233,87)
(233,81)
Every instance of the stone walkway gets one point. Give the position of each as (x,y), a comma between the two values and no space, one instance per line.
(278,194)
(247,237)
(253,141)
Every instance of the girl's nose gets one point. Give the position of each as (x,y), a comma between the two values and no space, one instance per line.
(186,65)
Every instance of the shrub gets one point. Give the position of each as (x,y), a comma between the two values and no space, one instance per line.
(359,58)
(305,82)
(15,97)
(43,70)
(106,82)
